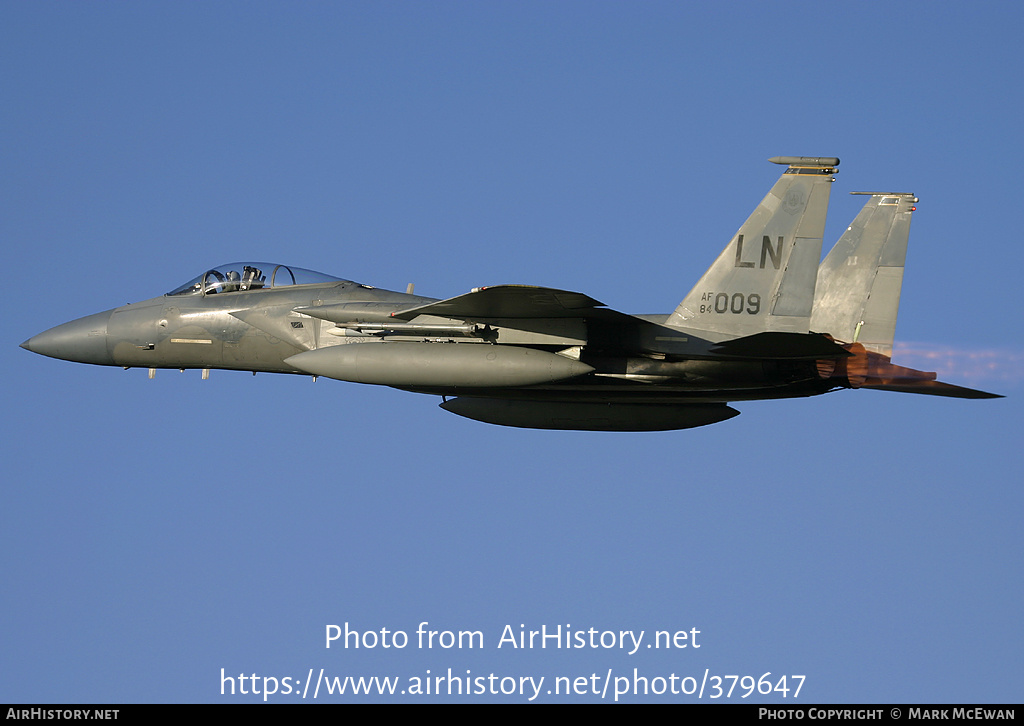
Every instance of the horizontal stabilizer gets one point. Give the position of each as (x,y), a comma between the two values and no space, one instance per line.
(777,345)
(930,388)
(868,369)
(508,301)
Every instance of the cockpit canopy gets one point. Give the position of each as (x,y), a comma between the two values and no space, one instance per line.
(243,276)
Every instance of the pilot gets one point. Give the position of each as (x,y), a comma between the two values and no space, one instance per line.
(233,281)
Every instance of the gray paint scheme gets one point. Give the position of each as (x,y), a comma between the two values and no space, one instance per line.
(859,282)
(543,358)
(768,269)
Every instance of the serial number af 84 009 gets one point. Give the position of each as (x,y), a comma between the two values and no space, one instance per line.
(737,303)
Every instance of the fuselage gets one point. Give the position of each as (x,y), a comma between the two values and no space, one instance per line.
(217,322)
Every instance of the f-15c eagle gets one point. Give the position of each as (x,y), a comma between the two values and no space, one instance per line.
(765,321)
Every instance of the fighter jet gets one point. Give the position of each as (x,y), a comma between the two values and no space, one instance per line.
(764,322)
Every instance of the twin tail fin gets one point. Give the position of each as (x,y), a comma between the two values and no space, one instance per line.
(764,278)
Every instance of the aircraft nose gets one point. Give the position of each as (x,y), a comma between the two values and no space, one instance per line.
(81,341)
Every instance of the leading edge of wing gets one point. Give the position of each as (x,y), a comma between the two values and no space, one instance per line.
(508,301)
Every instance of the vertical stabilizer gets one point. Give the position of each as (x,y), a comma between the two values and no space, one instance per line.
(764,279)
(858,289)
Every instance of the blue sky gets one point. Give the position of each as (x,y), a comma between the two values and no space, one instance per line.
(155,532)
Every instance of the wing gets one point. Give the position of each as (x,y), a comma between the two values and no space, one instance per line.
(509,301)
(528,315)
(539,309)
